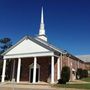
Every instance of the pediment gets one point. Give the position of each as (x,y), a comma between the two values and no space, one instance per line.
(25,47)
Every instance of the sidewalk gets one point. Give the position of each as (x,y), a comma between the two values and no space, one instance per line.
(28,86)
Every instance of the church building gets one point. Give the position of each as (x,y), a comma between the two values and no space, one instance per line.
(34,60)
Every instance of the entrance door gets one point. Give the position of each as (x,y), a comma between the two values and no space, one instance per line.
(37,75)
(37,72)
(31,75)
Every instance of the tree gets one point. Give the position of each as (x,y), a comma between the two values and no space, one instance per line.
(5,43)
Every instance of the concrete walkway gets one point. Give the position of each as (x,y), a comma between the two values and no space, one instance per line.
(13,86)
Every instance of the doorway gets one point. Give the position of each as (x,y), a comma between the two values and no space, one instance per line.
(31,69)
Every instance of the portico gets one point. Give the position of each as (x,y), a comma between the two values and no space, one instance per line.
(35,61)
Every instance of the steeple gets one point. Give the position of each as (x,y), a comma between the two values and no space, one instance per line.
(42,28)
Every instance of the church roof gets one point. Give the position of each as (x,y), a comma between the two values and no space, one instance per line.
(38,41)
(50,45)
(85,58)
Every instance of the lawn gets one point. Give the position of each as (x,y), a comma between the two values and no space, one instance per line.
(77,86)
(86,79)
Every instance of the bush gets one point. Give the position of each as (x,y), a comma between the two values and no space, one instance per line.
(79,73)
(85,73)
(60,81)
(65,75)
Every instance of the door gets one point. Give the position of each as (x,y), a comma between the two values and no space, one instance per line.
(31,75)
(37,70)
(37,75)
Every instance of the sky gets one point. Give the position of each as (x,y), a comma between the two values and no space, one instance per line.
(67,22)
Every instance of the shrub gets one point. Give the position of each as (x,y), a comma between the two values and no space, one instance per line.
(85,73)
(65,75)
(60,81)
(79,73)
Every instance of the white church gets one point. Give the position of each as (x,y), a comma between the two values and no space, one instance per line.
(33,59)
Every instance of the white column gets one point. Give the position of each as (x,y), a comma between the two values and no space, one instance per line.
(3,71)
(58,68)
(52,69)
(18,70)
(34,71)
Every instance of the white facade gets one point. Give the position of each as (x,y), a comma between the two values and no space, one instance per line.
(25,47)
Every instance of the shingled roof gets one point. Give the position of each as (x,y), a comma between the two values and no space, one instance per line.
(85,58)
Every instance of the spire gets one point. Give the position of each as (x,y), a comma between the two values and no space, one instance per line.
(42,18)
(42,28)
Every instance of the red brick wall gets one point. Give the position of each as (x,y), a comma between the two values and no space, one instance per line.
(55,69)
(66,61)
(87,66)
(44,63)
(80,64)
(25,62)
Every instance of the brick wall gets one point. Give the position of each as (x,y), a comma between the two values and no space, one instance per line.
(25,62)
(74,63)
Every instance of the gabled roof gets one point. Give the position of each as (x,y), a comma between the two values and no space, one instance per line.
(50,45)
(38,41)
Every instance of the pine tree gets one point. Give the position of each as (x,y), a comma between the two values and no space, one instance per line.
(5,43)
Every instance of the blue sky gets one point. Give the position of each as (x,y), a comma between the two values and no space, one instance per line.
(67,22)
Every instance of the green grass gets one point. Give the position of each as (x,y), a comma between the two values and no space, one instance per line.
(77,86)
(86,79)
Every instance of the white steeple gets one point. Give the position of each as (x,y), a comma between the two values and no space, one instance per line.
(42,29)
